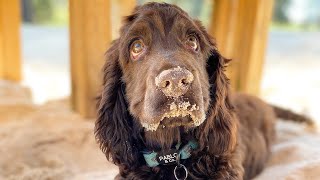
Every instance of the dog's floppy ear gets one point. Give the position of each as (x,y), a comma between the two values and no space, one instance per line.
(218,132)
(113,127)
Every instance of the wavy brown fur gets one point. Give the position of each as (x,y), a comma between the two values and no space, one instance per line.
(286,114)
(236,135)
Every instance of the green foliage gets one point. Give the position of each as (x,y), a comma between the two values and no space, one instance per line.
(279,14)
(43,10)
(295,27)
(281,20)
(52,12)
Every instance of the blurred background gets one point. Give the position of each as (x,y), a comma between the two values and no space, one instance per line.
(290,74)
(45,139)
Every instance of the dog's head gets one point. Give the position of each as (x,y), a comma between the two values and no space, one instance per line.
(163,58)
(163,76)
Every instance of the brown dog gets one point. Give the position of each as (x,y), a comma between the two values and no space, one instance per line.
(165,111)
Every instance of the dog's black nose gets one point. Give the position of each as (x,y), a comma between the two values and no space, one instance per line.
(174,82)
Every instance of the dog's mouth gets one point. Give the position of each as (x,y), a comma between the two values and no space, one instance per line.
(178,114)
(176,121)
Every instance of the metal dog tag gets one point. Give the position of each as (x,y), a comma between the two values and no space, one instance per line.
(177,168)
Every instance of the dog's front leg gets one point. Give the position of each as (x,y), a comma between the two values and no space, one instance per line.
(224,167)
(230,166)
(229,169)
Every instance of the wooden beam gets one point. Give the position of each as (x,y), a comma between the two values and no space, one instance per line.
(255,17)
(223,28)
(223,24)
(90,35)
(120,9)
(10,54)
(243,36)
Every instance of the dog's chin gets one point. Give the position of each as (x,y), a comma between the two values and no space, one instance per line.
(176,117)
(169,122)
(162,112)
(170,131)
(172,125)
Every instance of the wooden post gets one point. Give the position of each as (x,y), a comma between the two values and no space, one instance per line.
(256,17)
(90,35)
(10,55)
(243,37)
(223,27)
(120,9)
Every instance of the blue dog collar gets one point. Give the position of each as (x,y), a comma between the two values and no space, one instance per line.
(154,159)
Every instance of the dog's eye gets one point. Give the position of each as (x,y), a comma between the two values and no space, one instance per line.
(136,49)
(192,42)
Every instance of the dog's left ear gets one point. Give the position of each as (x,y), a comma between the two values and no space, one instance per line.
(218,132)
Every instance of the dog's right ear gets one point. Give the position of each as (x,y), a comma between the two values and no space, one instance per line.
(113,127)
(218,132)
